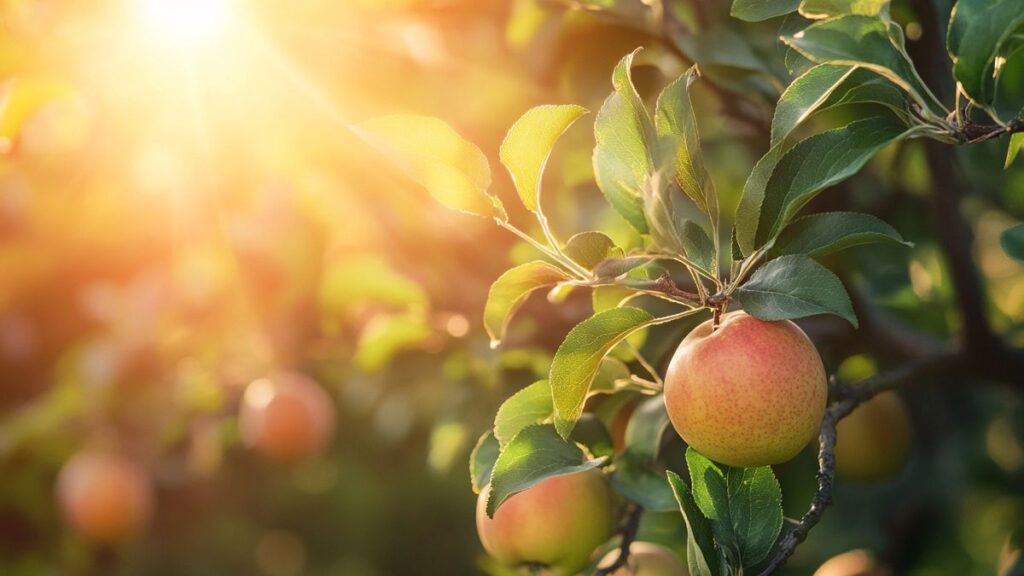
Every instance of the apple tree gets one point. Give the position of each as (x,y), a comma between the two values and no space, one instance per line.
(746,389)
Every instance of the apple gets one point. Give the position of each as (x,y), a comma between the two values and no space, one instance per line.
(286,416)
(554,525)
(646,559)
(103,496)
(872,441)
(747,393)
(853,563)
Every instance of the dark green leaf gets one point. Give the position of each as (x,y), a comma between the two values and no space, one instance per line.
(701,555)
(748,212)
(977,34)
(430,152)
(524,408)
(1012,241)
(588,249)
(758,10)
(864,41)
(646,427)
(481,460)
(643,484)
(828,86)
(578,359)
(622,156)
(591,432)
(527,145)
(816,163)
(510,290)
(804,96)
(820,234)
(794,286)
(535,454)
(744,506)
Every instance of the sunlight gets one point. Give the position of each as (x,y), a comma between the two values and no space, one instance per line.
(185,23)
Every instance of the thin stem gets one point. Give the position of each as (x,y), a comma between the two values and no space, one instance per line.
(645,363)
(557,256)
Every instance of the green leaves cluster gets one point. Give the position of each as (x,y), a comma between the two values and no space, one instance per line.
(733,515)
(649,165)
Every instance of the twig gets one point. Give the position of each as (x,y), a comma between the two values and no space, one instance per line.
(628,528)
(844,399)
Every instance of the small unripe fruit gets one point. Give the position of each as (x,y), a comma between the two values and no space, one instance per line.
(873,441)
(286,416)
(749,393)
(555,525)
(104,497)
(853,563)
(646,559)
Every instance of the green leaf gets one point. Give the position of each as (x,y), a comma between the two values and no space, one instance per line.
(646,428)
(351,282)
(510,290)
(387,335)
(1016,143)
(819,9)
(612,376)
(748,212)
(640,483)
(828,86)
(868,42)
(701,556)
(588,249)
(816,163)
(978,31)
(528,144)
(744,506)
(804,96)
(676,125)
(430,152)
(820,234)
(616,267)
(524,408)
(698,247)
(578,359)
(794,286)
(1012,241)
(482,459)
(622,155)
(535,454)
(758,10)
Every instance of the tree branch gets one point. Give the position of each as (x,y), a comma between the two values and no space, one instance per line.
(845,398)
(628,527)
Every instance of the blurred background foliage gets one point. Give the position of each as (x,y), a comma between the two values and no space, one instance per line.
(180,218)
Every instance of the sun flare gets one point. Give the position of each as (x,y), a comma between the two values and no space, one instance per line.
(185,23)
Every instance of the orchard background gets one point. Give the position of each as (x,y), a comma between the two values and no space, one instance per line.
(242,331)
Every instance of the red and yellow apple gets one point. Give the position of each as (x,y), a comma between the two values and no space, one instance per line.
(853,563)
(747,393)
(286,416)
(646,559)
(872,441)
(105,497)
(555,525)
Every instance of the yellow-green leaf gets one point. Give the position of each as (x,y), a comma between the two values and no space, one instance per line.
(528,144)
(430,152)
